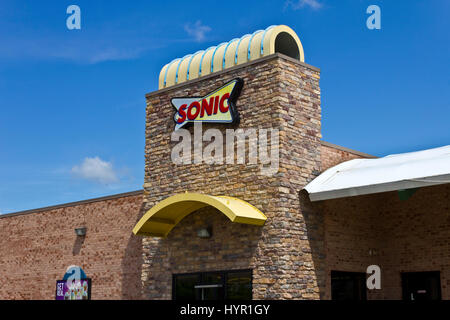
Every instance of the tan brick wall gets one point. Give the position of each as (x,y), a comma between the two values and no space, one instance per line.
(351,230)
(332,155)
(416,237)
(408,236)
(278,93)
(36,248)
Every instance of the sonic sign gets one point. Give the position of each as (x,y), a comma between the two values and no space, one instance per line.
(217,106)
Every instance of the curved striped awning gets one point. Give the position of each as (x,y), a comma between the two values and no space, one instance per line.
(274,39)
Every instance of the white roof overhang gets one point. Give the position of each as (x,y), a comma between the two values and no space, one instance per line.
(390,173)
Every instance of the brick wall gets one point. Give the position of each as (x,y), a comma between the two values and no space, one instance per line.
(351,228)
(405,236)
(415,236)
(37,247)
(278,93)
(332,155)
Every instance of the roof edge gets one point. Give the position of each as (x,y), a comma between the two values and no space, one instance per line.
(335,146)
(73,204)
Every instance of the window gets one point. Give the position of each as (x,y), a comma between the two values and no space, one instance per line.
(220,285)
(348,285)
(185,286)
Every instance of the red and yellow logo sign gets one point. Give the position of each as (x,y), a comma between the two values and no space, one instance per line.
(218,106)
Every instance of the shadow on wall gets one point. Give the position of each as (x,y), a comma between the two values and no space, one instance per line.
(78,245)
(158,277)
(314,221)
(132,265)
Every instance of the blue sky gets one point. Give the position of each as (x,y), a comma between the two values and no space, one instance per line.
(72,106)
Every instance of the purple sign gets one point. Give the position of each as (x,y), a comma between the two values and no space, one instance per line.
(73,289)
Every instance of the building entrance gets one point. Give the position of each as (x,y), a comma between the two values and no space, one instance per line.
(421,285)
(220,285)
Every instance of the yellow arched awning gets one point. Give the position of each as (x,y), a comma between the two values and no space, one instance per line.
(159,220)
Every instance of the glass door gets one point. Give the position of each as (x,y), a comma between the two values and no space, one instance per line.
(211,287)
(219,285)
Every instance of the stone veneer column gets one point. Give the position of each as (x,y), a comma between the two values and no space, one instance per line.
(286,254)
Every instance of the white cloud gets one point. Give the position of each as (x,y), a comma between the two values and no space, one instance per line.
(197,30)
(300,4)
(80,51)
(94,54)
(95,169)
(112,54)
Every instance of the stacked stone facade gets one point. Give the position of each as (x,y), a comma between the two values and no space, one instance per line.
(279,93)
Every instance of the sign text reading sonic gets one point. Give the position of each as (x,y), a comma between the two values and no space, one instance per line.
(218,106)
